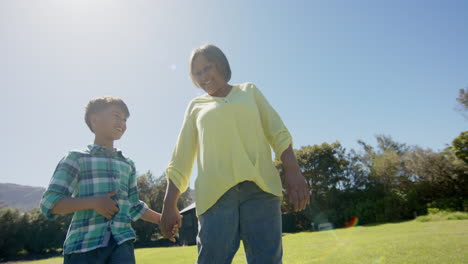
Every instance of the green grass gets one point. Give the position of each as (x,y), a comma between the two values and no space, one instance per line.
(407,242)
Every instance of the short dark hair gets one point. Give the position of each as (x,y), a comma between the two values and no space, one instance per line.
(213,54)
(99,104)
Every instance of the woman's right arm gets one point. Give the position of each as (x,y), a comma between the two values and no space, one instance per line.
(178,172)
(170,213)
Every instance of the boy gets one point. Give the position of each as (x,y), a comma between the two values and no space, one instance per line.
(99,186)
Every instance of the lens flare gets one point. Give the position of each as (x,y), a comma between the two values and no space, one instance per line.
(354,221)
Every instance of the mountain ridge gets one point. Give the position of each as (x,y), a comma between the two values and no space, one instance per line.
(23,197)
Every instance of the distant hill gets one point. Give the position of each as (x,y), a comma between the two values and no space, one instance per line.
(20,196)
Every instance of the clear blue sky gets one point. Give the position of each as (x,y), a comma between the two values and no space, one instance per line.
(334,70)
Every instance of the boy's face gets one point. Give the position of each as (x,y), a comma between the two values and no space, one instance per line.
(110,123)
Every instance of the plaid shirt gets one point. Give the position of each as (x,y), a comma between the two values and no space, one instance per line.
(95,172)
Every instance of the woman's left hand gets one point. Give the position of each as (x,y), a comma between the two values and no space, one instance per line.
(295,184)
(297,189)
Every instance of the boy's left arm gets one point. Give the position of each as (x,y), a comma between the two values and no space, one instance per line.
(139,209)
(155,218)
(151,216)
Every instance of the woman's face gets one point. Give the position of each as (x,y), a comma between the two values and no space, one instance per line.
(207,76)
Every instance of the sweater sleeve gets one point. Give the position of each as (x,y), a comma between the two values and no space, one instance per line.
(275,131)
(183,156)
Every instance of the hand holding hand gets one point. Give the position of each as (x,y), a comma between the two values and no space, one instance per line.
(175,231)
(171,221)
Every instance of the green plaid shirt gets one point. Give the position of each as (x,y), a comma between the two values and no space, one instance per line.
(95,172)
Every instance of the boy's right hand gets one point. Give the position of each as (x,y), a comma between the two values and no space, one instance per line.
(175,231)
(105,206)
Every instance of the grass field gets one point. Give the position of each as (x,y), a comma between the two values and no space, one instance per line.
(408,242)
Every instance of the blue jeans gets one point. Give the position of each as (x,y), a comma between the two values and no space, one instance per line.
(112,254)
(246,213)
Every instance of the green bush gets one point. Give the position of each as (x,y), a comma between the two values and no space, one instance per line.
(44,234)
(11,232)
(451,204)
(145,231)
(30,232)
(438,215)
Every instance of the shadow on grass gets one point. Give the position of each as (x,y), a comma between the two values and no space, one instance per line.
(386,223)
(163,242)
(31,257)
(24,256)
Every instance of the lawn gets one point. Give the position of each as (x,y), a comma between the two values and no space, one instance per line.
(407,242)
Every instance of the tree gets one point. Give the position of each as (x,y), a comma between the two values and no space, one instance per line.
(384,164)
(355,173)
(462,100)
(460,146)
(11,237)
(381,195)
(323,167)
(152,191)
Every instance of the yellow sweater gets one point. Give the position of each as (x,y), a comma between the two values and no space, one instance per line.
(231,138)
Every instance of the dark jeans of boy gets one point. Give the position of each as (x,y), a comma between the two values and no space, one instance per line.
(112,254)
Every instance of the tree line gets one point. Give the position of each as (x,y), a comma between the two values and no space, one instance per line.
(390,181)
(32,233)
(386,182)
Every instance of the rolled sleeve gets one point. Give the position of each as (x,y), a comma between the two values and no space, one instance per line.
(183,156)
(62,184)
(281,142)
(49,200)
(137,207)
(180,181)
(137,210)
(275,131)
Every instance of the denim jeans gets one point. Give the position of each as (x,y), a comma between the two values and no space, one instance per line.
(112,254)
(246,213)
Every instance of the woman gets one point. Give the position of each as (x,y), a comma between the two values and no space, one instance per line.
(238,190)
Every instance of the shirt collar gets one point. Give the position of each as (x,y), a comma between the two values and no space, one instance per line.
(93,148)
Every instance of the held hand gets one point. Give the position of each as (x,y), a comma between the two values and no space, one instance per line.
(105,206)
(297,189)
(171,221)
(175,231)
